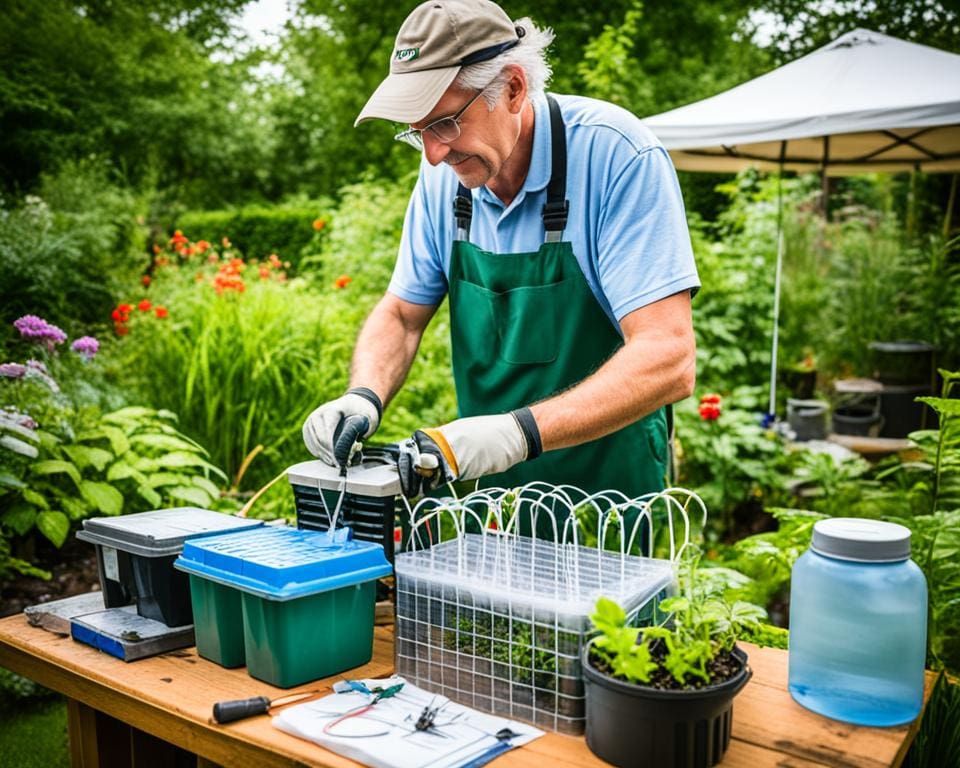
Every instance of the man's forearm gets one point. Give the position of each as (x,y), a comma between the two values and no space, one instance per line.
(655,366)
(387,345)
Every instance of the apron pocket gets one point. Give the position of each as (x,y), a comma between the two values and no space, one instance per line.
(530,323)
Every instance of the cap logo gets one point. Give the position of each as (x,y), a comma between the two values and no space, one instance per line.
(408,54)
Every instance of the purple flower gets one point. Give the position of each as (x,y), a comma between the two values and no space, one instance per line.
(86,346)
(12,370)
(37,329)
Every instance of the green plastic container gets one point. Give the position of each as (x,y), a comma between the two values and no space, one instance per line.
(294,605)
(218,621)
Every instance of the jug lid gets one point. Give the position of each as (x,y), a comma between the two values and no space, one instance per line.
(861,540)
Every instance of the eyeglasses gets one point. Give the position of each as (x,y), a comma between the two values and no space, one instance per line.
(446,129)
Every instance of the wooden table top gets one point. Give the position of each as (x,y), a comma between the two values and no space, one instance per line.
(171,696)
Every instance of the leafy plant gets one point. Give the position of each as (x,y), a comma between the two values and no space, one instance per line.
(702,631)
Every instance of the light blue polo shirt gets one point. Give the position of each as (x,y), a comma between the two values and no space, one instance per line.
(627,223)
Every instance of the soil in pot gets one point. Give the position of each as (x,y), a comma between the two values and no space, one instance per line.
(641,725)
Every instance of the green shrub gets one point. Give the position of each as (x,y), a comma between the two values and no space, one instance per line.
(258,231)
(68,252)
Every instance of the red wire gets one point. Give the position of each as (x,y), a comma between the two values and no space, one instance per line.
(352,713)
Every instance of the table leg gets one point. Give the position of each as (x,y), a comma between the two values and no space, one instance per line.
(100,741)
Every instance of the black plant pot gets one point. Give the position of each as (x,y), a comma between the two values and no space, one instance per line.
(633,725)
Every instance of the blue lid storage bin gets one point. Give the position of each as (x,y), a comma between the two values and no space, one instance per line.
(135,555)
(307,600)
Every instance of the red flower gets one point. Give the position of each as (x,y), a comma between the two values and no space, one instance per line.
(343,281)
(144,306)
(710,399)
(161,312)
(202,246)
(264,273)
(145,280)
(709,412)
(319,224)
(122,330)
(125,309)
(117,316)
(397,534)
(178,239)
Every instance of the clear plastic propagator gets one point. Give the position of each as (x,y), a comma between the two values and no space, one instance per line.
(497,621)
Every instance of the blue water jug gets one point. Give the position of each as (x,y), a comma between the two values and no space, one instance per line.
(858,624)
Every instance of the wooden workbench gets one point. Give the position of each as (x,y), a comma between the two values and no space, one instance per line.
(134,714)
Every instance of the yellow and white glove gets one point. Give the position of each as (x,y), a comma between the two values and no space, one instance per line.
(322,427)
(466,449)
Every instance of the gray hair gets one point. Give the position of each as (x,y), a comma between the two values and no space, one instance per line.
(530,54)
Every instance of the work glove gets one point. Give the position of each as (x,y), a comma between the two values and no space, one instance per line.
(324,425)
(466,449)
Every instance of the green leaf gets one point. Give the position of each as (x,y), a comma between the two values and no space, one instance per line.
(150,496)
(36,499)
(103,496)
(194,496)
(180,459)
(210,487)
(945,406)
(9,481)
(20,519)
(87,456)
(165,442)
(121,470)
(55,526)
(56,466)
(159,479)
(75,507)
(118,439)
(131,413)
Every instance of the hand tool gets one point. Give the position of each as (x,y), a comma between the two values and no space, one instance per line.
(238,709)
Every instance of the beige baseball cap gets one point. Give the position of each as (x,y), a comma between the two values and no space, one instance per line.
(436,40)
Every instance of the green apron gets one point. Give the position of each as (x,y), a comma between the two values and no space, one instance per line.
(525,326)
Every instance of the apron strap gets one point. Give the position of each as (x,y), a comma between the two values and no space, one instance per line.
(557,207)
(463,212)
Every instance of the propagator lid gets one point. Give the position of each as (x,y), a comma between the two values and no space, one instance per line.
(375,476)
(536,573)
(861,540)
(284,563)
(161,532)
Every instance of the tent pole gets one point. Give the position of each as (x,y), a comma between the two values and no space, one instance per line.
(772,408)
(824,178)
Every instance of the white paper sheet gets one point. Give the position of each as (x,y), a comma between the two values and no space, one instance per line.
(385,737)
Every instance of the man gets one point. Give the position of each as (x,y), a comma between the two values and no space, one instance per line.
(556,226)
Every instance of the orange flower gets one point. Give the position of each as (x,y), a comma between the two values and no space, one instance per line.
(203,246)
(144,306)
(264,273)
(343,281)
(212,258)
(319,224)
(161,312)
(145,280)
(188,251)
(178,238)
(226,242)
(156,248)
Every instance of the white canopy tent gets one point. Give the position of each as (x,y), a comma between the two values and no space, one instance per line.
(864,103)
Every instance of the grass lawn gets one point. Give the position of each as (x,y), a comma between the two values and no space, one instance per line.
(33,733)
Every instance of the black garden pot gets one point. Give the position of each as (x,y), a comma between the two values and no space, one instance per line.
(632,725)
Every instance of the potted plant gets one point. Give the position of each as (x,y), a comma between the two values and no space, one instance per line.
(663,695)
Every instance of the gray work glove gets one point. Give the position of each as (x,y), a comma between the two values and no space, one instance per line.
(322,427)
(467,449)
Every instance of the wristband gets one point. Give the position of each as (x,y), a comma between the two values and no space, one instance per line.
(371,396)
(528,425)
